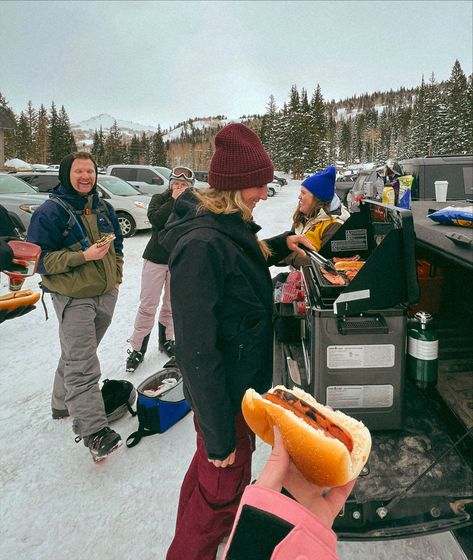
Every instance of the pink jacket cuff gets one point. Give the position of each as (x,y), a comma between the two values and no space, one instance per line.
(308,539)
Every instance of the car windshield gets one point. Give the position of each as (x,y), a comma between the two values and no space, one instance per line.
(12,185)
(164,171)
(117,186)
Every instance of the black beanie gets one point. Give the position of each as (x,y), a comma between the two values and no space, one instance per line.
(65,170)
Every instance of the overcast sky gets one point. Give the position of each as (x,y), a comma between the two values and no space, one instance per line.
(164,62)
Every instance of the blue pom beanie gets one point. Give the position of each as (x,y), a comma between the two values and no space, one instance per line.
(322,184)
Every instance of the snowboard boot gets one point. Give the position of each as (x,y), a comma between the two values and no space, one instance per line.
(103,443)
(165,345)
(135,357)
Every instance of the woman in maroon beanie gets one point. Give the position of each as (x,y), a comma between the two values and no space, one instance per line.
(222,299)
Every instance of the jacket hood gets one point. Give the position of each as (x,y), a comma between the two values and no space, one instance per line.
(185,218)
(65,174)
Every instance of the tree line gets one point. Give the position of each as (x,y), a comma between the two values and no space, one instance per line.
(41,136)
(434,118)
(111,148)
(303,135)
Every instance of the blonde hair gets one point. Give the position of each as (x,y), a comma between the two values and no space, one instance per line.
(227,202)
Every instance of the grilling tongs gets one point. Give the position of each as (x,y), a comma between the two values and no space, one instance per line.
(328,264)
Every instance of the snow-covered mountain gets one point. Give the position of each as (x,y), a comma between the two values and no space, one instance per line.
(84,130)
(106,122)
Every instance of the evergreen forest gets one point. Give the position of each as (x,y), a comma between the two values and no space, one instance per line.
(303,135)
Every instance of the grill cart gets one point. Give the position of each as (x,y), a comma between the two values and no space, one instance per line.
(350,353)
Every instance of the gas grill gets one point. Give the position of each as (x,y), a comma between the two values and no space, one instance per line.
(353,334)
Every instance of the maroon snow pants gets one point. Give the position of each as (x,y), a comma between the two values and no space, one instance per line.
(209,499)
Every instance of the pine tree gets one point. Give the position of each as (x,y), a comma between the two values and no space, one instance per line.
(418,145)
(9,134)
(145,149)
(458,112)
(67,142)
(23,138)
(345,141)
(55,149)
(41,136)
(114,149)
(134,150)
(318,126)
(32,117)
(98,147)
(435,113)
(158,150)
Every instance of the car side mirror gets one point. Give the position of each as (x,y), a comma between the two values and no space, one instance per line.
(35,188)
(157,181)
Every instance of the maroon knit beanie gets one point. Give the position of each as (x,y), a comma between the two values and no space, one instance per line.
(239,161)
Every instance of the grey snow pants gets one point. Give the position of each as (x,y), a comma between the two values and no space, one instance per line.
(82,325)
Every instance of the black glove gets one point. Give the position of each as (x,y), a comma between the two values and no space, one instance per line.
(18,312)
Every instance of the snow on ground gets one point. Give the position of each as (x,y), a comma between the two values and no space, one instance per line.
(56,503)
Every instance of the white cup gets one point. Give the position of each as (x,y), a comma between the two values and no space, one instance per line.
(441,188)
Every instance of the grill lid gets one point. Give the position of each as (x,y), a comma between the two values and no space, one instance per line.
(384,237)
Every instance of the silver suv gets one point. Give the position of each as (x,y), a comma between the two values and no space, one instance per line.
(148,179)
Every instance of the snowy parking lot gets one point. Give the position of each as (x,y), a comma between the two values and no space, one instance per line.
(56,503)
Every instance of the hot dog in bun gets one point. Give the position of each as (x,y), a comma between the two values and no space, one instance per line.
(106,238)
(23,298)
(328,447)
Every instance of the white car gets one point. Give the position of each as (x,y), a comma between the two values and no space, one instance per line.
(130,206)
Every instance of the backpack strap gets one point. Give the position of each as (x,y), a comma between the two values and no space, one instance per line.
(72,221)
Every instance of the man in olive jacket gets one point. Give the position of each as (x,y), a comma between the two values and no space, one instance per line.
(83,278)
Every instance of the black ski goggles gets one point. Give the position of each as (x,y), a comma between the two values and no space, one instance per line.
(182,173)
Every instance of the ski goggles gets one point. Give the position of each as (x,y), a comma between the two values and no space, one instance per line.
(182,173)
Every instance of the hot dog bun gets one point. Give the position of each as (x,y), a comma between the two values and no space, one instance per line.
(106,238)
(322,459)
(12,300)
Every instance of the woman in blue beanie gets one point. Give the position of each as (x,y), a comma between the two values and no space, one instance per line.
(320,212)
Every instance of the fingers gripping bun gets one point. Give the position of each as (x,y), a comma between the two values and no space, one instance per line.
(330,453)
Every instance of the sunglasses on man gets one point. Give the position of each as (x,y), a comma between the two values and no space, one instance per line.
(182,173)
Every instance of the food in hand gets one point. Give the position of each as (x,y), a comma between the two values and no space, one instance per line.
(23,298)
(327,446)
(106,238)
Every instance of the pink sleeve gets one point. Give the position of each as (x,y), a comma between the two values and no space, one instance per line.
(308,539)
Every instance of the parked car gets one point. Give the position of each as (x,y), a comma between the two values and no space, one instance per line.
(148,179)
(273,188)
(19,199)
(130,206)
(281,180)
(202,176)
(343,185)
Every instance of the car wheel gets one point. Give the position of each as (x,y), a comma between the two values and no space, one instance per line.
(127,224)
(271,191)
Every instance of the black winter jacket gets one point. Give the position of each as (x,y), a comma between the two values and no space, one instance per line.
(159,210)
(222,300)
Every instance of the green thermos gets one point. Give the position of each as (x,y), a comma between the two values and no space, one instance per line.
(422,351)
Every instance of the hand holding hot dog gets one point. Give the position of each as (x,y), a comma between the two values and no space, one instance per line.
(95,253)
(280,472)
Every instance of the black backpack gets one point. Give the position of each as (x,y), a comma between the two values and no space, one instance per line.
(118,397)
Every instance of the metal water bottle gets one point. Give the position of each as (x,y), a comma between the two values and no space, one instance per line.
(422,351)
